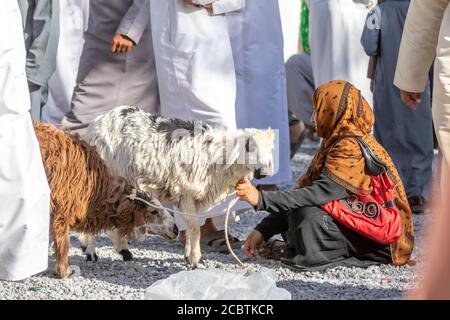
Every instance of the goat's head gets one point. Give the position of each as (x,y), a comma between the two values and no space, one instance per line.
(152,218)
(254,149)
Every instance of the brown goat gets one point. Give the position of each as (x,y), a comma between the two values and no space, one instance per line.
(85,196)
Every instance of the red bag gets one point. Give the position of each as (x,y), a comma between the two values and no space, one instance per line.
(374,216)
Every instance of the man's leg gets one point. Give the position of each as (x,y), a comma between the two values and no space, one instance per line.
(300,87)
(36,103)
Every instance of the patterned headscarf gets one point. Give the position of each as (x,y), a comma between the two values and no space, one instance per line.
(342,111)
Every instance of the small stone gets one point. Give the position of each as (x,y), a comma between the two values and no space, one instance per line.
(36,288)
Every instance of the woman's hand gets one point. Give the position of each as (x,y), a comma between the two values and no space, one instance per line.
(255,245)
(247,192)
(121,43)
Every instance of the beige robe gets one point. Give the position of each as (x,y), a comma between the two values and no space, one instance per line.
(426,36)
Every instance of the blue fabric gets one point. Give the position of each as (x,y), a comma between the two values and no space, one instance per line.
(406,134)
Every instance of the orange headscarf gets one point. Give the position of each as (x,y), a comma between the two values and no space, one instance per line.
(342,111)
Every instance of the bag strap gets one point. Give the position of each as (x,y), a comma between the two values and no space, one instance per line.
(374,166)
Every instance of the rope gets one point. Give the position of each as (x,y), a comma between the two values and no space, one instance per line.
(230,205)
(133,197)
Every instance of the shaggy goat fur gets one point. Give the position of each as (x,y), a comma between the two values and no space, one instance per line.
(188,165)
(85,196)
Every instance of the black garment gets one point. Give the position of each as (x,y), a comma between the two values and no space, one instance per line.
(313,237)
(319,240)
(280,203)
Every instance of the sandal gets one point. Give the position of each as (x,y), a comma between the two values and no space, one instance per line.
(215,242)
(276,249)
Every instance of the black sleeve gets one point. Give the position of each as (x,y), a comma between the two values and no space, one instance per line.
(272,225)
(322,191)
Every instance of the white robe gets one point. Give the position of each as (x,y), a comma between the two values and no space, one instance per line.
(73,21)
(194,63)
(24,191)
(336,27)
(257,42)
(196,74)
(290,20)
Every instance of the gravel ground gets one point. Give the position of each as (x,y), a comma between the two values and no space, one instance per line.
(111,278)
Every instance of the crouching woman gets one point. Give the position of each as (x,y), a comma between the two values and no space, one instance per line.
(314,239)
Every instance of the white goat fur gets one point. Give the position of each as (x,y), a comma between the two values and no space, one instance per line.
(187,165)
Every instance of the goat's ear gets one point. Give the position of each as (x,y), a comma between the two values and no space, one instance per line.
(250,144)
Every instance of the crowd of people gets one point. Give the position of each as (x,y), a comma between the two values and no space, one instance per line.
(362,69)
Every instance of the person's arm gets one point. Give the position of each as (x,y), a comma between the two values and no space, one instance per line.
(272,224)
(41,55)
(370,38)
(135,21)
(419,42)
(320,192)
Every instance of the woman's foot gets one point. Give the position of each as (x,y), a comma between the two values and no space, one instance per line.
(276,249)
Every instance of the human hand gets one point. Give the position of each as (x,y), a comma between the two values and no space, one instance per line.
(191,3)
(411,99)
(255,245)
(208,6)
(247,192)
(33,87)
(121,43)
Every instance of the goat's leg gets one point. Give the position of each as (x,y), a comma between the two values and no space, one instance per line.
(120,245)
(87,244)
(187,243)
(61,242)
(192,251)
(193,231)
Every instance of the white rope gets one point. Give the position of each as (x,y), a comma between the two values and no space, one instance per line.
(228,210)
(230,205)
(134,197)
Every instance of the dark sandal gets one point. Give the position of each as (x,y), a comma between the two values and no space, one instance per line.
(277,249)
(215,242)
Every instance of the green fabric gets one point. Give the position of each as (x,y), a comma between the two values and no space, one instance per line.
(304,27)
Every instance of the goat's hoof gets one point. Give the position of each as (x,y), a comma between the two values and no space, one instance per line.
(195,265)
(126,255)
(91,257)
(199,265)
